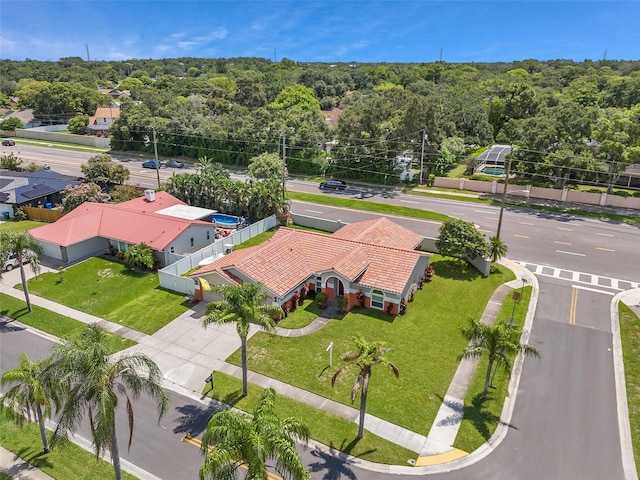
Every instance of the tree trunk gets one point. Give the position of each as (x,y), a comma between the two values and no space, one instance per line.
(245,390)
(363,406)
(487,377)
(43,430)
(25,288)
(115,452)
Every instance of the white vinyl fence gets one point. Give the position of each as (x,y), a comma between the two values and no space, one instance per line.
(171,276)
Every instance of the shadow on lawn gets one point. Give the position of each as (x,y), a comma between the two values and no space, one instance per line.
(484,421)
(35,457)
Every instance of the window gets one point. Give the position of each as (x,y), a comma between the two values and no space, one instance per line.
(377,299)
(208,235)
(191,241)
(318,285)
(122,247)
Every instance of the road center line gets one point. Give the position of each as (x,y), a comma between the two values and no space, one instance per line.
(572,308)
(313,211)
(571,253)
(605,249)
(485,212)
(520,236)
(408,201)
(561,243)
(525,223)
(565,229)
(604,234)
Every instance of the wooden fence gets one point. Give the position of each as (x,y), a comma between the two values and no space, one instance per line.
(43,214)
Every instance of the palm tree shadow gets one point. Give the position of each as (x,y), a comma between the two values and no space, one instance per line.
(194,419)
(482,418)
(334,463)
(34,457)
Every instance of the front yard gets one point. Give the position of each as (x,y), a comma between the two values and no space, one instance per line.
(111,290)
(425,341)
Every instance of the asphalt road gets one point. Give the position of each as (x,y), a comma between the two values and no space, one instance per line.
(564,424)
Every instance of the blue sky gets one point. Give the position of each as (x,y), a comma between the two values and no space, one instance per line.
(322,31)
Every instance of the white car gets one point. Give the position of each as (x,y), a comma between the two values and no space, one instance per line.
(12,262)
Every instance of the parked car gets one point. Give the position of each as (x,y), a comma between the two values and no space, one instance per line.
(174,164)
(333,184)
(152,164)
(8,142)
(12,262)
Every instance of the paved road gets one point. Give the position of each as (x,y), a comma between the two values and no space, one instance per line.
(564,423)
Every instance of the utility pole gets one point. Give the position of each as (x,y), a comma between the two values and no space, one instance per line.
(284,163)
(155,151)
(424,138)
(504,193)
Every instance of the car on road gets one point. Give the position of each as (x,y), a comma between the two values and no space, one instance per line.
(8,142)
(333,185)
(151,164)
(174,164)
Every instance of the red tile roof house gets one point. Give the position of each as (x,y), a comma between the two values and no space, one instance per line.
(376,257)
(102,120)
(158,219)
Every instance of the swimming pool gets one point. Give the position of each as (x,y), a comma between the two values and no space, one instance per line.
(226,221)
(493,171)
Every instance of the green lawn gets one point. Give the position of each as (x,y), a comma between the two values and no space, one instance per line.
(22,226)
(53,323)
(302,315)
(111,290)
(425,342)
(336,432)
(481,416)
(68,463)
(630,336)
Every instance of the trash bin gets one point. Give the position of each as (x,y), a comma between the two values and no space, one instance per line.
(6,216)
(48,206)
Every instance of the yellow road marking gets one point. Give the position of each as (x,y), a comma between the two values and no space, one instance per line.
(572,308)
(198,443)
(605,249)
(520,236)
(441,458)
(565,229)
(561,243)
(525,223)
(604,234)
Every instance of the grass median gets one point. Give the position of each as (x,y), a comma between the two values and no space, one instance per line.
(630,336)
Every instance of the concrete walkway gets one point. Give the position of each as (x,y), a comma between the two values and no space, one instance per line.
(187,353)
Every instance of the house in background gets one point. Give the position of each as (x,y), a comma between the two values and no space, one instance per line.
(26,116)
(100,123)
(42,188)
(158,219)
(374,264)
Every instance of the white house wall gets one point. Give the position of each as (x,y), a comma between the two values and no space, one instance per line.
(182,244)
(87,248)
(51,250)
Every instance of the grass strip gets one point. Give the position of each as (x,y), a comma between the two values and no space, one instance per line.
(21,226)
(630,336)
(481,416)
(53,323)
(68,463)
(95,286)
(367,206)
(337,433)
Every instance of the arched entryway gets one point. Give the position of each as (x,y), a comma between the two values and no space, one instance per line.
(334,287)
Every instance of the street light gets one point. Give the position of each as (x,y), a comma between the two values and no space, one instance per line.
(504,194)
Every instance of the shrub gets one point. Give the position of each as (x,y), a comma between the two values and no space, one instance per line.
(321,297)
(342,302)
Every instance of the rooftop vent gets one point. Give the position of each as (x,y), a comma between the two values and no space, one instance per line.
(150,195)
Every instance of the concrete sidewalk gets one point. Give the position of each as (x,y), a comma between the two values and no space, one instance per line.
(18,469)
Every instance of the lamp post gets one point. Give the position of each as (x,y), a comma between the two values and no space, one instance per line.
(425,137)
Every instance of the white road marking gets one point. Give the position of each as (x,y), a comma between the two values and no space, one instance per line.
(313,211)
(408,201)
(604,234)
(484,211)
(525,223)
(605,249)
(561,243)
(594,290)
(566,229)
(572,253)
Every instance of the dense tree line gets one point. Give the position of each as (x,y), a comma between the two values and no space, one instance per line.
(570,121)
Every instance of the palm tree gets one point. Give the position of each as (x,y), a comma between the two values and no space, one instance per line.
(497,248)
(33,394)
(498,341)
(234,440)
(24,247)
(96,382)
(363,359)
(243,305)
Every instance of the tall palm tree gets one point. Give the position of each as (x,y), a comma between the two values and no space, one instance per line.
(32,394)
(24,247)
(363,360)
(234,440)
(497,248)
(96,383)
(243,305)
(498,341)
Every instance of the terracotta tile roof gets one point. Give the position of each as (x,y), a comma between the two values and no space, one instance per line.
(291,256)
(107,112)
(126,222)
(382,232)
